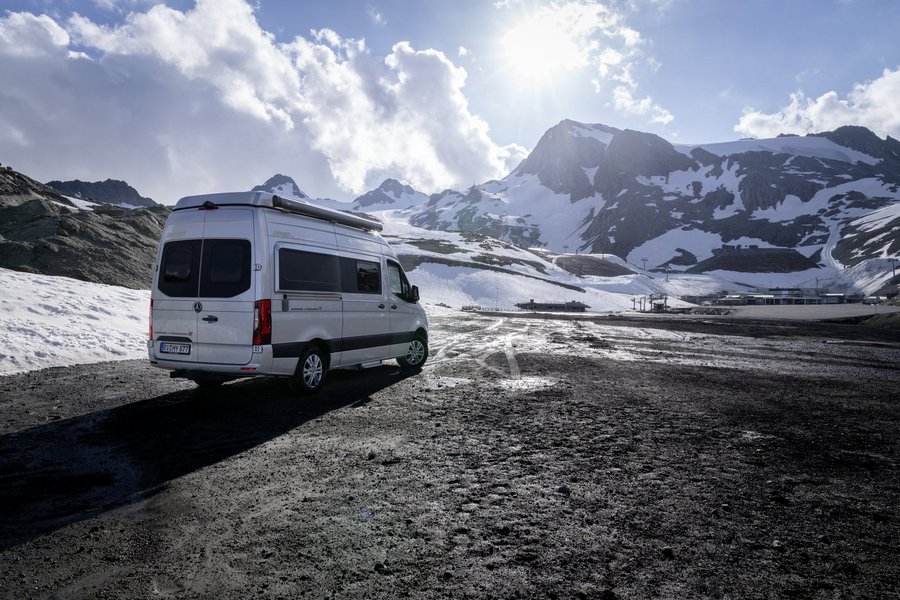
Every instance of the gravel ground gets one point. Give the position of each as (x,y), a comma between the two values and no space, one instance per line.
(532,458)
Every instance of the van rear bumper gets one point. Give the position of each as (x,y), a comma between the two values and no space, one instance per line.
(263,363)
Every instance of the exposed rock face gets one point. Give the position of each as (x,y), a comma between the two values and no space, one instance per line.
(560,159)
(111,191)
(863,140)
(755,260)
(40,232)
(603,190)
(16,188)
(646,154)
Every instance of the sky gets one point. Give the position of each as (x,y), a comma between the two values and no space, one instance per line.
(217,95)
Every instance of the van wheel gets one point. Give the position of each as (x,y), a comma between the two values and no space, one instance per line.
(416,353)
(310,373)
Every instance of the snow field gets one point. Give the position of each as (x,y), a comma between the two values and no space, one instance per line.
(53,321)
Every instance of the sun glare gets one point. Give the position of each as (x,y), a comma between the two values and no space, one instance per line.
(539,50)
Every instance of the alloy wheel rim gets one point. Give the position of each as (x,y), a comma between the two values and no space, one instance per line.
(416,352)
(312,371)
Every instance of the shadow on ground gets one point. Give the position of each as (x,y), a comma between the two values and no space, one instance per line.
(67,471)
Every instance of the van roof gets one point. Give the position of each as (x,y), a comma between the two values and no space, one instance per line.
(269,200)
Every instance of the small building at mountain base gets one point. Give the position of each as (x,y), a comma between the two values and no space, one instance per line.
(572,306)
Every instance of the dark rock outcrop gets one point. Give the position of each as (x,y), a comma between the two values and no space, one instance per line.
(560,159)
(41,232)
(646,154)
(111,191)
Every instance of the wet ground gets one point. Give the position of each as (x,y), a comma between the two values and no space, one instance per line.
(532,458)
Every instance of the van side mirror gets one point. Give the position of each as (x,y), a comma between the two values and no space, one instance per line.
(414,293)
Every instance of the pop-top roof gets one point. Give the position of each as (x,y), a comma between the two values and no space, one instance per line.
(269,200)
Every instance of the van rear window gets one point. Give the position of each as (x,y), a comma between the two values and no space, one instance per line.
(180,268)
(212,268)
(225,271)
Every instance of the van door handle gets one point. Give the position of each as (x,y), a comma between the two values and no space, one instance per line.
(393,307)
(210,319)
(381,306)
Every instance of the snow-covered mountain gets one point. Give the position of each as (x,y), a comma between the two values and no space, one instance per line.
(286,187)
(283,186)
(783,204)
(391,194)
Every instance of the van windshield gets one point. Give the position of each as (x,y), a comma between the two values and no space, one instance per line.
(209,268)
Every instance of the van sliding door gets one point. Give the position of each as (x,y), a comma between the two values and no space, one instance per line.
(367,324)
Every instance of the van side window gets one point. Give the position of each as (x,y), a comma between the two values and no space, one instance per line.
(368,277)
(399,283)
(180,268)
(360,276)
(307,271)
(226,268)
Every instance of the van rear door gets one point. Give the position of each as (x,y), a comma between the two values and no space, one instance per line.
(174,319)
(226,292)
(204,310)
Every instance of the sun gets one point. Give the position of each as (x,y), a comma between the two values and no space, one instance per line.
(538,50)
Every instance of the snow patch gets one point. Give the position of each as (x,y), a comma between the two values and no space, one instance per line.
(57,321)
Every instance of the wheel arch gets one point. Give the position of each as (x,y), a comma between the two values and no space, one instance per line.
(323,348)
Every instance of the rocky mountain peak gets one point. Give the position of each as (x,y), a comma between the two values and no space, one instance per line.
(110,191)
(391,194)
(16,188)
(857,138)
(395,188)
(281,184)
(563,153)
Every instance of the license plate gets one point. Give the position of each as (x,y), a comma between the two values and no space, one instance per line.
(167,348)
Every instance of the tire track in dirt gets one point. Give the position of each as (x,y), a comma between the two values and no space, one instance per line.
(474,346)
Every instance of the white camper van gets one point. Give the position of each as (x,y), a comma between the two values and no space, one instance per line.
(250,284)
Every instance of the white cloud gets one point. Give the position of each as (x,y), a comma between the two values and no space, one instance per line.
(23,35)
(579,34)
(625,101)
(462,51)
(216,42)
(204,100)
(376,16)
(872,104)
(408,113)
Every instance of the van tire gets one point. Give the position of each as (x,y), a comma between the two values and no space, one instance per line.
(416,353)
(311,370)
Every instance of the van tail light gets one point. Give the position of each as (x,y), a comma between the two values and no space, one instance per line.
(262,323)
(150,320)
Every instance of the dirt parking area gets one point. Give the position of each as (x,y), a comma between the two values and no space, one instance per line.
(531,458)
